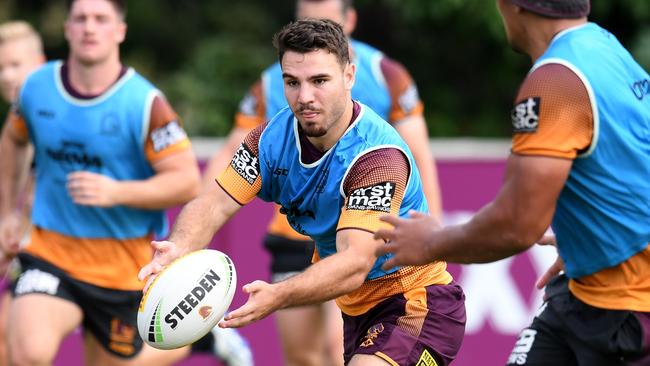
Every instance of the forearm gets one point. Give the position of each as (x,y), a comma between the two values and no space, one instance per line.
(325,280)
(487,237)
(12,154)
(161,191)
(519,215)
(201,218)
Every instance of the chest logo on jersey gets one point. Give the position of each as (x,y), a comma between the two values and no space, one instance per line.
(44,113)
(641,88)
(246,164)
(525,115)
(377,197)
(73,156)
(167,135)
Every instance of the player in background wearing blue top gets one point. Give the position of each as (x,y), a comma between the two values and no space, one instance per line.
(110,155)
(311,335)
(21,51)
(580,162)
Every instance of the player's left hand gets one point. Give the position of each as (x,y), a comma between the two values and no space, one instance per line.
(92,189)
(262,301)
(408,240)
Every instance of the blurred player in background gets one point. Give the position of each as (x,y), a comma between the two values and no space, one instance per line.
(334,166)
(580,161)
(312,335)
(21,52)
(111,156)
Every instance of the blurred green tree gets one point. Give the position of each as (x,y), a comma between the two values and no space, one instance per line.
(204,54)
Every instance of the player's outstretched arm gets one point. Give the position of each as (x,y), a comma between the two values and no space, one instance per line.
(193,229)
(327,279)
(176,181)
(519,215)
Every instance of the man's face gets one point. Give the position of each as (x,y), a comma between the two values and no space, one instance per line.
(94,30)
(327,9)
(17,59)
(317,88)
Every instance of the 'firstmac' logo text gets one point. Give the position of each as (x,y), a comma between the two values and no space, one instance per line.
(377,197)
(525,115)
(246,164)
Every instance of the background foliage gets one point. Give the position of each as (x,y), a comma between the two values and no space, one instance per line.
(204,54)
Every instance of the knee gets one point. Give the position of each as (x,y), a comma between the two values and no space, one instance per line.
(26,352)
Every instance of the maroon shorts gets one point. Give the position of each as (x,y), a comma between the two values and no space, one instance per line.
(423,327)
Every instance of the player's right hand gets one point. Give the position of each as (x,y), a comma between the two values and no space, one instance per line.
(165,253)
(555,268)
(11,233)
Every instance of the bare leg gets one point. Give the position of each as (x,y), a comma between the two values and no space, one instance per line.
(367,360)
(334,334)
(37,325)
(302,335)
(97,355)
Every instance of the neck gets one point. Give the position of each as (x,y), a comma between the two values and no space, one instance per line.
(337,130)
(541,32)
(93,79)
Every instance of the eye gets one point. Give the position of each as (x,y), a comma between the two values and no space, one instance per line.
(291,83)
(320,81)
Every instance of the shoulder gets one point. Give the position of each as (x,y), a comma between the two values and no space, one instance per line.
(134,77)
(394,70)
(45,72)
(375,165)
(553,80)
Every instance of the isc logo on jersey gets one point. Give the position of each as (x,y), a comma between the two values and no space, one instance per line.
(246,164)
(377,197)
(525,115)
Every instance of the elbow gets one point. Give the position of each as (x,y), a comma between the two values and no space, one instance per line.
(360,271)
(522,237)
(191,189)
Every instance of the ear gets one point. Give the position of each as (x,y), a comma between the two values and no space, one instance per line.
(349,75)
(66,27)
(121,33)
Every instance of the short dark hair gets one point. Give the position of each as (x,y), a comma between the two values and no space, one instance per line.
(308,35)
(560,9)
(120,6)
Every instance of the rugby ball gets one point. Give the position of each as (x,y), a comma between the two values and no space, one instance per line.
(187,299)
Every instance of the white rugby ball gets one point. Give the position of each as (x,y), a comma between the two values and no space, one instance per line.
(187,299)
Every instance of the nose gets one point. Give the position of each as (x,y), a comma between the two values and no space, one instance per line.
(89,25)
(305,94)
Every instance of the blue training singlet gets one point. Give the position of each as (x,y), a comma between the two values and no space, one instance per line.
(603,211)
(104,135)
(312,194)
